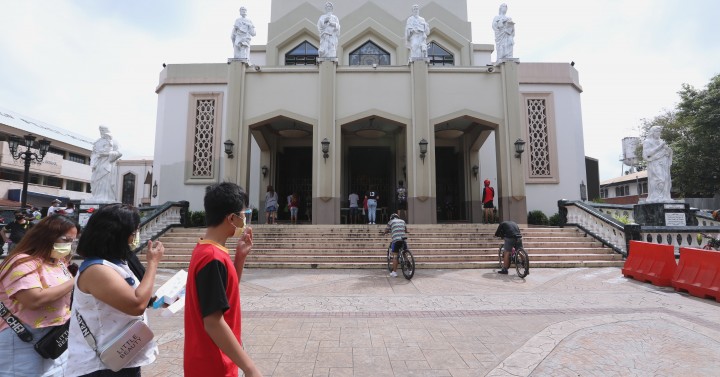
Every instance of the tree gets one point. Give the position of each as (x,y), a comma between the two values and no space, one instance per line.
(692,130)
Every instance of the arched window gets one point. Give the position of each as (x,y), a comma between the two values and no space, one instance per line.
(439,55)
(128,189)
(369,54)
(304,54)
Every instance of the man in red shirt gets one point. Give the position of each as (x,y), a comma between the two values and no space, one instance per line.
(213,343)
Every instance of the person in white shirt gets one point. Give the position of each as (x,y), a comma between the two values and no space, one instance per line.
(353,198)
(55,206)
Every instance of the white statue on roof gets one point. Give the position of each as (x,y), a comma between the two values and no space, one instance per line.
(329,29)
(504,29)
(242,33)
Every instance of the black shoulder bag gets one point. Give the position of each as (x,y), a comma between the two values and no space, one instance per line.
(50,346)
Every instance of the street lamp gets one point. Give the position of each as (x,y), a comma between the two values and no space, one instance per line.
(28,156)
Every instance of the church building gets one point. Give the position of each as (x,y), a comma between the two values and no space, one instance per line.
(373,116)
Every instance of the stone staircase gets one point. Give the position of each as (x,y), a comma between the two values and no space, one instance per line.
(438,246)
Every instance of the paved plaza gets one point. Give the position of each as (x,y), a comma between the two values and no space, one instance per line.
(555,322)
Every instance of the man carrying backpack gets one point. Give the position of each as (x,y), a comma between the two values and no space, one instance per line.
(402,201)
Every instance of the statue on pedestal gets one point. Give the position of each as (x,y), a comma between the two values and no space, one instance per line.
(103,162)
(329,29)
(416,32)
(504,29)
(242,33)
(658,156)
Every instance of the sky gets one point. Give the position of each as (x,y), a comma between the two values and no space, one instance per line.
(77,64)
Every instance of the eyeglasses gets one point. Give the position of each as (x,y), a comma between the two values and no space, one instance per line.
(66,239)
(242,214)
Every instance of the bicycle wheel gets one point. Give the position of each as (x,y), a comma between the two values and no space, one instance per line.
(500,256)
(522,263)
(408,264)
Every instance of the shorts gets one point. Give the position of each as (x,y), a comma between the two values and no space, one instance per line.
(353,211)
(293,211)
(511,243)
(488,205)
(396,245)
(402,205)
(271,209)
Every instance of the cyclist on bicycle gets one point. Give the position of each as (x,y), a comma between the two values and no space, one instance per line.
(396,226)
(510,232)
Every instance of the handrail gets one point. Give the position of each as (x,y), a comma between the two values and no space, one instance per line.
(160,219)
(604,228)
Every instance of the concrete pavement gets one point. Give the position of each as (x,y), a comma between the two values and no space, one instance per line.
(555,322)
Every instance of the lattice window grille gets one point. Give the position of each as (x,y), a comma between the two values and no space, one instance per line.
(539,140)
(204,138)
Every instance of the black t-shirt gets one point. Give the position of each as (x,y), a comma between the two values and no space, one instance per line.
(17,230)
(213,280)
(508,229)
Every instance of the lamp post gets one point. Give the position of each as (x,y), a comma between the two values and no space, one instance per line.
(28,156)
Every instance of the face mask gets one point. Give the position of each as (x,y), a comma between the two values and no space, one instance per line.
(135,242)
(61,250)
(239,230)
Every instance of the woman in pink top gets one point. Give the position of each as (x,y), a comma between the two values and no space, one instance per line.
(35,286)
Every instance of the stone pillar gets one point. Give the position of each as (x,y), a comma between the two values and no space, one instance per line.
(511,170)
(421,173)
(326,172)
(237,168)
(475,187)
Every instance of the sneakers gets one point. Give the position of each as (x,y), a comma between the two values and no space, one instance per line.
(503,272)
(394,274)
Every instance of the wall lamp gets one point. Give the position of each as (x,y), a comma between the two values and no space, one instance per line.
(583,191)
(423,149)
(229,148)
(519,147)
(325,148)
(475,170)
(154,190)
(264,171)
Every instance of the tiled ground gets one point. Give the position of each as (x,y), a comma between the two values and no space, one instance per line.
(555,322)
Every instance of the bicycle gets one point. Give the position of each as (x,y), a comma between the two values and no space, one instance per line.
(518,257)
(406,261)
(713,243)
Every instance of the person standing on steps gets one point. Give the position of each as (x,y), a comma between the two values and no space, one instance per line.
(271,205)
(402,200)
(353,198)
(372,206)
(488,196)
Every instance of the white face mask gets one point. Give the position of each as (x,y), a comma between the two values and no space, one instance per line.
(135,242)
(239,230)
(61,250)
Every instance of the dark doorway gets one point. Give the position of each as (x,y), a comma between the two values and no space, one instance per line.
(371,169)
(294,174)
(450,187)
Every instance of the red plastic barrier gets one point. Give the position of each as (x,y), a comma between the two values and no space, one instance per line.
(650,262)
(698,273)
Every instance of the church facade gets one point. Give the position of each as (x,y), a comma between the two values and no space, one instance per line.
(324,128)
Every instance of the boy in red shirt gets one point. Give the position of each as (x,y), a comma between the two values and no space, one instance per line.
(213,345)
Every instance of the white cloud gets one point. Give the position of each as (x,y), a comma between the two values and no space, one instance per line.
(77,65)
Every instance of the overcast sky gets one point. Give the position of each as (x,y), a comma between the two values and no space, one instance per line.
(78,64)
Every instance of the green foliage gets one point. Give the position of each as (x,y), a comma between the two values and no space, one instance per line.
(623,219)
(554,220)
(197,218)
(692,130)
(537,217)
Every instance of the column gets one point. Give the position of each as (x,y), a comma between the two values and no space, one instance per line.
(326,171)
(511,170)
(421,172)
(237,169)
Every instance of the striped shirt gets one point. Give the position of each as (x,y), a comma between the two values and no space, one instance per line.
(397,229)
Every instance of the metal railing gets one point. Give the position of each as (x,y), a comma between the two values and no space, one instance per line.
(600,221)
